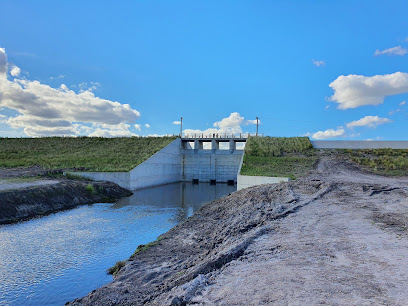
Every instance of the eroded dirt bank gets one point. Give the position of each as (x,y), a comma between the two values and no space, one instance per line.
(28,202)
(336,237)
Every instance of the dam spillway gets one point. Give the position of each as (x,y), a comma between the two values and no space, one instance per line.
(213,159)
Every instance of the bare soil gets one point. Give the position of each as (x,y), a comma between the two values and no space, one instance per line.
(29,192)
(338,237)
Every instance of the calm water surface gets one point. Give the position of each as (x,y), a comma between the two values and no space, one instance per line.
(57,258)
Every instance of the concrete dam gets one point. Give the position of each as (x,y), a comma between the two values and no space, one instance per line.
(214,160)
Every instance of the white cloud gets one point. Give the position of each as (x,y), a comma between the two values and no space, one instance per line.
(177,122)
(3,63)
(137,127)
(248,122)
(2,116)
(147,125)
(329,133)
(64,87)
(158,135)
(318,63)
(229,125)
(352,91)
(58,77)
(394,111)
(392,51)
(111,133)
(402,103)
(15,71)
(46,111)
(92,86)
(369,121)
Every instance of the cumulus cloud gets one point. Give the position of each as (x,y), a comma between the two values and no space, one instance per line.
(3,63)
(369,121)
(392,51)
(15,71)
(137,127)
(46,111)
(229,125)
(177,122)
(147,125)
(402,103)
(248,122)
(318,63)
(329,133)
(352,91)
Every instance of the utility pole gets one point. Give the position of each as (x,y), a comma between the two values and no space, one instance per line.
(181,127)
(256,126)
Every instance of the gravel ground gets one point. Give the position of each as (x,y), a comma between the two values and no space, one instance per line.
(7,184)
(338,237)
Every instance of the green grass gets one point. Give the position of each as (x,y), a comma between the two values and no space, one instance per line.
(381,161)
(277,146)
(116,268)
(278,156)
(85,153)
(142,247)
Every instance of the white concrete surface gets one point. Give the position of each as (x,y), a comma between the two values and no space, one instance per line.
(358,144)
(245,181)
(206,165)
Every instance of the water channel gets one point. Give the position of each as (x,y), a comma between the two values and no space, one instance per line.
(57,258)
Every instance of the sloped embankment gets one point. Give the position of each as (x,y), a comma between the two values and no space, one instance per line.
(19,204)
(338,236)
(216,235)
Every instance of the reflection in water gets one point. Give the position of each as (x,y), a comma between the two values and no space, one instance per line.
(53,259)
(187,197)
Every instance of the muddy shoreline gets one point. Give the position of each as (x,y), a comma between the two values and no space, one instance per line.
(338,236)
(49,193)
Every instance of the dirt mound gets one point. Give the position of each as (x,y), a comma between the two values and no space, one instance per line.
(338,236)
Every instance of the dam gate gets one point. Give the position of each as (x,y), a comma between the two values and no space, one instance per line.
(211,159)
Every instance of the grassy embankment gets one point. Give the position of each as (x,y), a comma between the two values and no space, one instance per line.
(87,153)
(381,161)
(278,156)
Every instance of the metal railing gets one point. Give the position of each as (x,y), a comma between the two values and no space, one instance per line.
(216,135)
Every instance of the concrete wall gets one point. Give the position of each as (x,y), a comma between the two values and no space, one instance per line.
(162,168)
(358,144)
(120,178)
(245,181)
(206,165)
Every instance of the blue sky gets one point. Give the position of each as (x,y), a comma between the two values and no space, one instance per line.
(134,67)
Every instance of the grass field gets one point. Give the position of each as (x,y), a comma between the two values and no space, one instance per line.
(381,161)
(87,153)
(278,156)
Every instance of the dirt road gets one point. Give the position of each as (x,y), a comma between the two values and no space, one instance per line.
(337,237)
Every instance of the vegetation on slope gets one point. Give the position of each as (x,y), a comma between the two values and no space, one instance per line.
(278,156)
(87,153)
(381,161)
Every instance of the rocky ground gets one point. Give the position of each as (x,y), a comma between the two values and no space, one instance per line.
(30,192)
(338,237)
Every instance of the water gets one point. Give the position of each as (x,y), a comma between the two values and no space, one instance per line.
(57,258)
